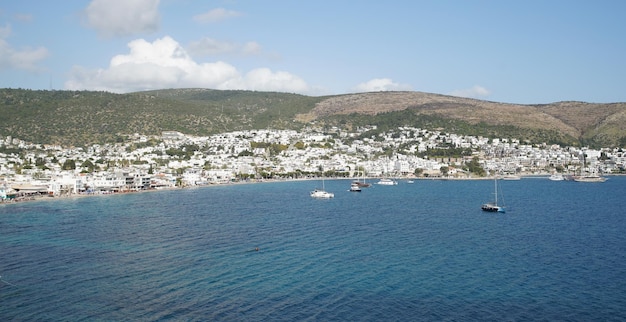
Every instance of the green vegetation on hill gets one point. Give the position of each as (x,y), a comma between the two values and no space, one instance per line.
(78,118)
(82,117)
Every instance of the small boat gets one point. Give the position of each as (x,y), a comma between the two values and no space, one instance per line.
(387,182)
(556,177)
(362,184)
(354,187)
(511,177)
(410,181)
(589,178)
(493,206)
(322,194)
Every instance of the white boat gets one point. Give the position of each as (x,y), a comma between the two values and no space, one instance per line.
(511,177)
(355,187)
(321,193)
(387,182)
(556,177)
(493,206)
(589,178)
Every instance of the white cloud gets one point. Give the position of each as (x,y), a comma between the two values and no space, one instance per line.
(208,46)
(26,58)
(474,92)
(165,64)
(215,15)
(263,79)
(115,18)
(251,48)
(381,84)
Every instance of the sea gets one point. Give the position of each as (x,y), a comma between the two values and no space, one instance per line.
(421,251)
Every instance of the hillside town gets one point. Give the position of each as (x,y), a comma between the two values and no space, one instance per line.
(175,159)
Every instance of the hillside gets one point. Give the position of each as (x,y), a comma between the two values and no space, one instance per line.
(82,117)
(562,122)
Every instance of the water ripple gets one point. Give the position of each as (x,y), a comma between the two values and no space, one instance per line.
(409,252)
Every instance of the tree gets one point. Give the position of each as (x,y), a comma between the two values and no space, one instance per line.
(69,164)
(245,153)
(89,165)
(474,167)
(40,162)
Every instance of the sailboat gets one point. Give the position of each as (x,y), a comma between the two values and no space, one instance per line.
(493,206)
(322,193)
(362,184)
(386,181)
(588,177)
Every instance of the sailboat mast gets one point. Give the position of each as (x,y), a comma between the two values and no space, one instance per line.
(496,188)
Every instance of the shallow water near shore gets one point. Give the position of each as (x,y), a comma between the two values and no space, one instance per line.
(421,251)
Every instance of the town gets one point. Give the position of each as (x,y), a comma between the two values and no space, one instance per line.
(175,159)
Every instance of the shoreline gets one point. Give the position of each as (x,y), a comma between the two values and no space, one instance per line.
(36,198)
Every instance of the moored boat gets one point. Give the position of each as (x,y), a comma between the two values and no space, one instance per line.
(493,206)
(362,184)
(556,177)
(322,194)
(387,182)
(589,178)
(354,187)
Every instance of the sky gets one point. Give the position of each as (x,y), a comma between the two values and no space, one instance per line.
(524,52)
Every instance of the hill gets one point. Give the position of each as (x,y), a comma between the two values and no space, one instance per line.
(84,117)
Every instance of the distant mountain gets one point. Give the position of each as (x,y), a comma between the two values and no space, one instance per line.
(85,117)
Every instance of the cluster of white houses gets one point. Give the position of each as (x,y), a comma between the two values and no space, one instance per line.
(175,159)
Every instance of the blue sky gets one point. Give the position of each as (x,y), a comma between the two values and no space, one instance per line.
(528,52)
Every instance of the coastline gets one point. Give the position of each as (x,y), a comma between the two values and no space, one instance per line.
(36,198)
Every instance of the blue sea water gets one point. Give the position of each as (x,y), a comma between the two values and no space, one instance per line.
(422,251)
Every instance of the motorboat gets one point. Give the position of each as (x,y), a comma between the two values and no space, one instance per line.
(387,182)
(556,177)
